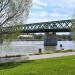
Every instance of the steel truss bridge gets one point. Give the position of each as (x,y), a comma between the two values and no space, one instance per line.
(52,26)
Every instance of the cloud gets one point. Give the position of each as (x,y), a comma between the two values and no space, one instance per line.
(45,16)
(48,10)
(61,3)
(39,3)
(38,7)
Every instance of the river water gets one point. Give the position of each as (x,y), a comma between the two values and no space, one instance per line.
(29,47)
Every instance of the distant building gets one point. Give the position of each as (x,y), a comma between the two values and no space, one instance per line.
(25,36)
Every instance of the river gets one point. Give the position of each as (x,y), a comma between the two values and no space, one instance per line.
(29,47)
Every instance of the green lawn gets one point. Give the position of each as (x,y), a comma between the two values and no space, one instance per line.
(52,66)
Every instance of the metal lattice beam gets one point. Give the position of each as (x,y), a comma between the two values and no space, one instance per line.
(53,26)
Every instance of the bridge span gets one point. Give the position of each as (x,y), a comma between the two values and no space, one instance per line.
(52,26)
(46,27)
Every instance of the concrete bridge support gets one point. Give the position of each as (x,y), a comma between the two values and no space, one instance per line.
(50,39)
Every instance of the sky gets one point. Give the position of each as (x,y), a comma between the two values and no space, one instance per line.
(51,10)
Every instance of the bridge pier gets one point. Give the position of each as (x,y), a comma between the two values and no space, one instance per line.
(50,39)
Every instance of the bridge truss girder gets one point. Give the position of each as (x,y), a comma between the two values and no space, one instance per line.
(53,26)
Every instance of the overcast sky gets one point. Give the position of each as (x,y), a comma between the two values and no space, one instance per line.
(48,10)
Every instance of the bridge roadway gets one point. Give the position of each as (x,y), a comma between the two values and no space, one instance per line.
(52,26)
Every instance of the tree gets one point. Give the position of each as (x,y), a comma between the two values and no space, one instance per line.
(73,29)
(12,12)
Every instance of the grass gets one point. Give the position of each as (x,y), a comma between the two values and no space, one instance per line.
(59,51)
(53,66)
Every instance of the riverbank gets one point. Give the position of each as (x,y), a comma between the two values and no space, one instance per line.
(50,66)
(33,57)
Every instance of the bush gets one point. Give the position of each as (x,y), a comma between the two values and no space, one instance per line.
(11,56)
(58,51)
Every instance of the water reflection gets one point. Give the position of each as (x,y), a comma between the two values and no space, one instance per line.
(49,48)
